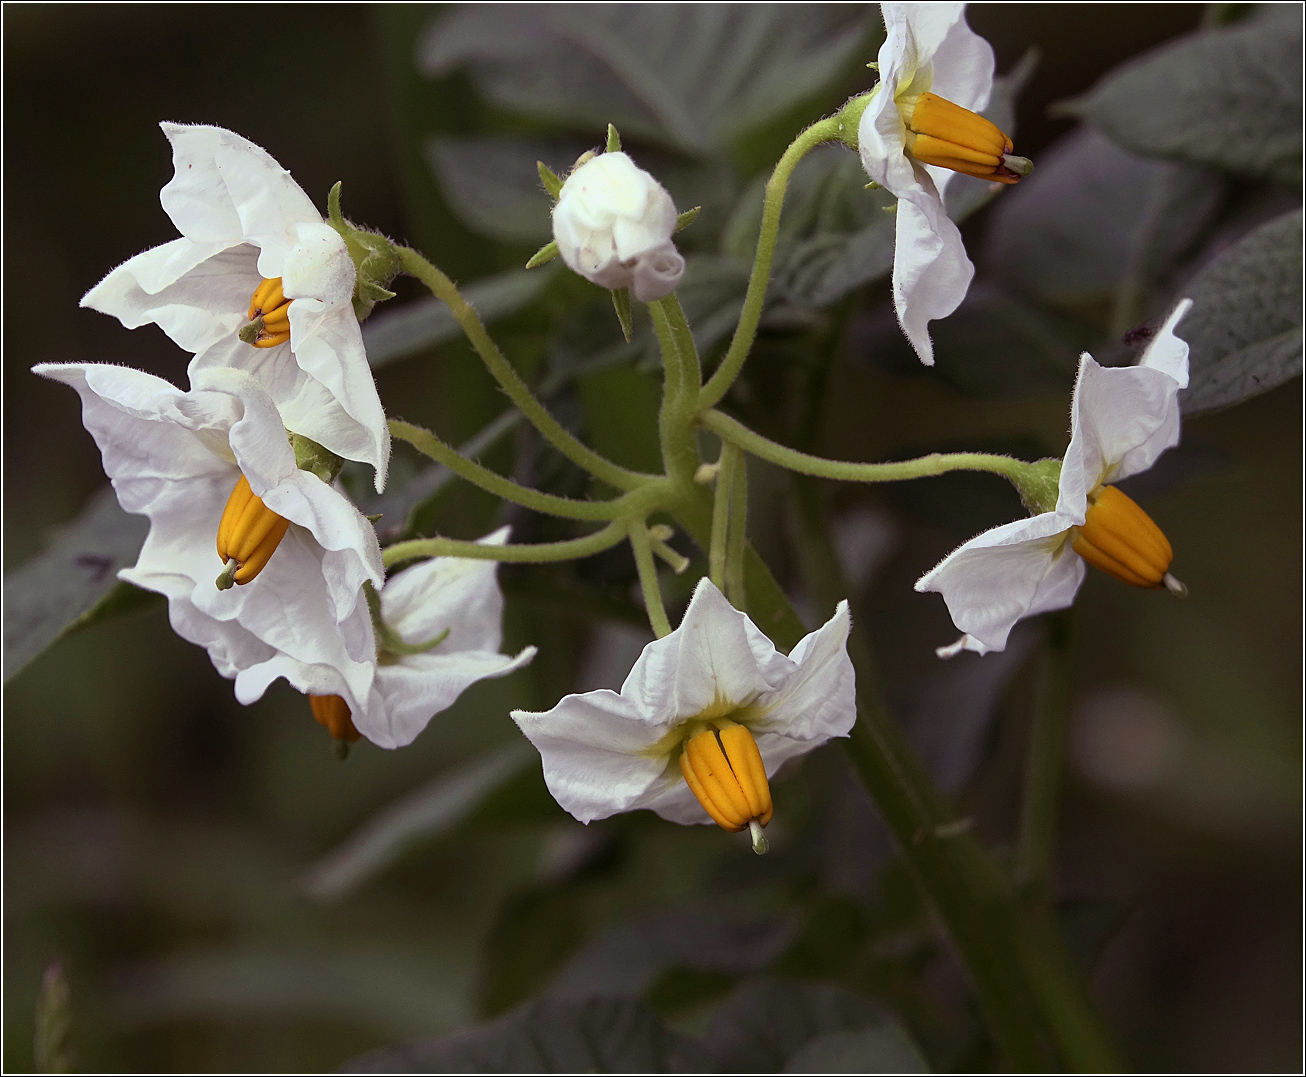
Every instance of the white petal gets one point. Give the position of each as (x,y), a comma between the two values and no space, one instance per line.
(1167,352)
(417,687)
(818,699)
(319,266)
(931,272)
(460,594)
(593,750)
(962,60)
(1122,419)
(197,293)
(226,188)
(1007,573)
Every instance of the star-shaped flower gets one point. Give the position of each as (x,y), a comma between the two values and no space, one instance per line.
(705,717)
(257,282)
(1122,419)
(178,458)
(919,128)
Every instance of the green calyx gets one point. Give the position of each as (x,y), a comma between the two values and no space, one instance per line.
(310,456)
(389,644)
(1039,484)
(849,118)
(375,258)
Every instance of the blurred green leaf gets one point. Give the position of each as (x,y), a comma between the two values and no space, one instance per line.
(1230,99)
(597,1036)
(533,933)
(53,1022)
(427,812)
(45,597)
(493,184)
(766,1027)
(1245,328)
(398,332)
(695,77)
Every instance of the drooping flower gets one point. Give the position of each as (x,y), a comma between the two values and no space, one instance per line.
(705,717)
(257,282)
(613,224)
(1122,419)
(438,632)
(218,457)
(918,129)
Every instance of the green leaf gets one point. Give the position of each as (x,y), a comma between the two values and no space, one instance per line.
(769,1026)
(403,331)
(598,1036)
(544,255)
(49,595)
(693,77)
(494,184)
(552,182)
(429,811)
(1245,328)
(1230,99)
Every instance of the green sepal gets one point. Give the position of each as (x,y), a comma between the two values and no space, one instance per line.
(687,218)
(614,140)
(547,253)
(550,179)
(1039,485)
(621,302)
(310,456)
(849,117)
(388,641)
(375,259)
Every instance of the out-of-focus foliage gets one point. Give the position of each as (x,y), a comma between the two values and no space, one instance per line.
(226,896)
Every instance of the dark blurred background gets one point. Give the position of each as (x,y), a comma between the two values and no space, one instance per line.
(157,834)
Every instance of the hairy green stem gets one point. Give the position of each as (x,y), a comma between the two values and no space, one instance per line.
(1036,855)
(729,460)
(680,388)
(426,442)
(718,385)
(737,433)
(567,550)
(737,535)
(508,378)
(648,578)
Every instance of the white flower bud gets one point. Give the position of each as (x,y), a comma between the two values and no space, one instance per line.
(613,225)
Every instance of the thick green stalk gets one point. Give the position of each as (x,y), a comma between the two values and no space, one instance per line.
(426,442)
(648,578)
(737,433)
(725,486)
(567,550)
(508,378)
(718,385)
(680,389)
(737,536)
(1043,763)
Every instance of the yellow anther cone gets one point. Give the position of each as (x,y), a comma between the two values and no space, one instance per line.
(332,713)
(248,534)
(269,312)
(1119,538)
(942,133)
(724,771)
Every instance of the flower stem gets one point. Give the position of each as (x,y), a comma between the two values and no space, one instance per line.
(648,578)
(568,550)
(426,442)
(737,433)
(725,487)
(718,385)
(1036,855)
(737,535)
(680,388)
(508,378)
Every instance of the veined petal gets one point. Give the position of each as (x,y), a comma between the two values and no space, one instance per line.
(1122,419)
(931,272)
(1007,573)
(460,594)
(962,60)
(417,687)
(192,291)
(819,698)
(595,752)
(226,188)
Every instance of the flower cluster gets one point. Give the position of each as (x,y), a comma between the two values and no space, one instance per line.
(259,289)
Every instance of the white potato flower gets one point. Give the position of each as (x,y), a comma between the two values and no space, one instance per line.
(1122,419)
(257,282)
